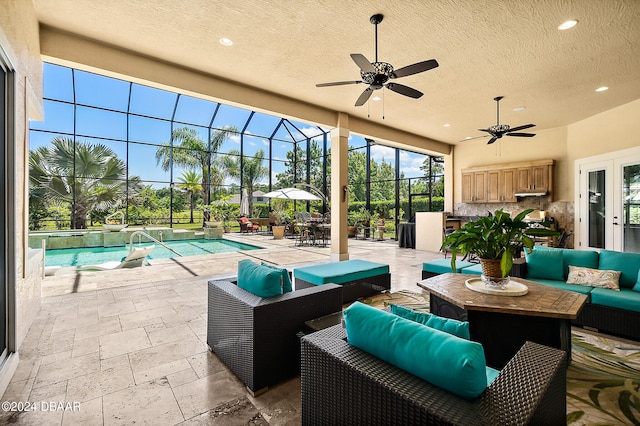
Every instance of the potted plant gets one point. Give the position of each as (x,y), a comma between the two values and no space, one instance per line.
(280,218)
(495,239)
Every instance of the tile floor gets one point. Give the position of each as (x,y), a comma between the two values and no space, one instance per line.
(129,346)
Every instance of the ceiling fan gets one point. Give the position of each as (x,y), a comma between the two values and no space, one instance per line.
(377,74)
(499,130)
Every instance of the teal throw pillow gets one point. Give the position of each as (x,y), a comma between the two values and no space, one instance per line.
(446,361)
(259,280)
(637,286)
(545,264)
(286,279)
(451,326)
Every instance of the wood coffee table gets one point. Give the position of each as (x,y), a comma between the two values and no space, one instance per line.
(503,323)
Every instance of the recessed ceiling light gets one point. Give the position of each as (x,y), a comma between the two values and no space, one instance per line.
(468,137)
(447,125)
(375,98)
(520,108)
(567,24)
(226,41)
(602,89)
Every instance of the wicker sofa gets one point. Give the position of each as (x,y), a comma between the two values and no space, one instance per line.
(611,312)
(257,338)
(342,385)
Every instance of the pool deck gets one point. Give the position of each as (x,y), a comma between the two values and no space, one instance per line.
(403,264)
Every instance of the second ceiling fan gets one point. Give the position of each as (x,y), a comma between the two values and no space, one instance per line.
(377,74)
(499,130)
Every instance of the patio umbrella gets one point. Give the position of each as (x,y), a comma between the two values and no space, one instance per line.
(292,194)
(244,203)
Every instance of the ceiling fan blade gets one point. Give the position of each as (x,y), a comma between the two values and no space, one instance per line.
(338,83)
(364,97)
(526,126)
(492,140)
(363,63)
(486,130)
(415,68)
(470,139)
(524,135)
(404,90)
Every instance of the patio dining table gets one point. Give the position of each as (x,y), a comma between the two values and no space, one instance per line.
(313,233)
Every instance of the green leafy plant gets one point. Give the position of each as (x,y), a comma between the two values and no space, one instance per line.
(496,236)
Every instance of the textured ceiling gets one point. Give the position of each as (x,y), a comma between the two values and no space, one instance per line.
(485,48)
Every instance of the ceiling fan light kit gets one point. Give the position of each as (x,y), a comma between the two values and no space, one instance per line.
(377,74)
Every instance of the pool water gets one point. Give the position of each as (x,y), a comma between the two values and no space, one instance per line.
(97,255)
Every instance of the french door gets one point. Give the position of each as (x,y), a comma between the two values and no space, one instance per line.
(608,207)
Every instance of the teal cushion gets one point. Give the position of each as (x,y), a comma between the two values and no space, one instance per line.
(340,272)
(443,266)
(473,270)
(636,287)
(448,325)
(259,280)
(623,299)
(627,263)
(447,361)
(492,373)
(286,279)
(545,263)
(582,289)
(583,258)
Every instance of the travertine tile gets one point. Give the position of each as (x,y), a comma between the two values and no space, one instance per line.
(67,369)
(95,385)
(123,342)
(206,363)
(90,413)
(182,377)
(151,403)
(146,304)
(144,318)
(162,354)
(106,325)
(85,346)
(161,370)
(115,363)
(236,412)
(117,308)
(54,392)
(167,335)
(207,393)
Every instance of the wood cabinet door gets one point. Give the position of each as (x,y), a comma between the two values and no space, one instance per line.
(508,185)
(539,178)
(480,187)
(494,187)
(523,177)
(467,187)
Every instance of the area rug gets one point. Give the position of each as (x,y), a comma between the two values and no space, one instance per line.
(603,380)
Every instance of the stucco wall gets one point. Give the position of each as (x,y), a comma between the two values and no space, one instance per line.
(19,38)
(613,130)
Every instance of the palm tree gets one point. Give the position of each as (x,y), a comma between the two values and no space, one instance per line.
(253,169)
(190,182)
(81,174)
(189,150)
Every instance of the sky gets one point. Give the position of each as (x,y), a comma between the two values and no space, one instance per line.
(150,109)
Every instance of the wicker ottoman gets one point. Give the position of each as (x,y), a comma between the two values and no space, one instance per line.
(359,278)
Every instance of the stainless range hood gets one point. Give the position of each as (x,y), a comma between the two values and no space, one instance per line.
(531,194)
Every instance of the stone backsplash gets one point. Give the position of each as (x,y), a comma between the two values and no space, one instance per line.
(562,212)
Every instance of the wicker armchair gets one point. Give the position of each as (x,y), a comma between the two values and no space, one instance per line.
(256,338)
(342,385)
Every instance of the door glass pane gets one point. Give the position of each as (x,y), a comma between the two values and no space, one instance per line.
(597,209)
(631,208)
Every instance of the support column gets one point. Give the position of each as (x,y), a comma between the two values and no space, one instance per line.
(339,180)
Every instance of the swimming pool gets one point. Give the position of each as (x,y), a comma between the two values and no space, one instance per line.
(97,255)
